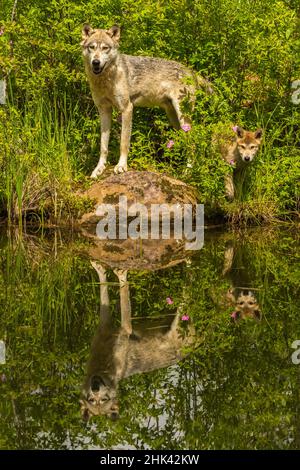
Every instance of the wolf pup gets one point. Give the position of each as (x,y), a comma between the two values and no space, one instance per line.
(245,304)
(239,153)
(242,299)
(123,81)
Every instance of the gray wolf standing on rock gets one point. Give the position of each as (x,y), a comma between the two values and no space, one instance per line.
(123,81)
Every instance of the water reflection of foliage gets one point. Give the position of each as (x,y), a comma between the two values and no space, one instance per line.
(238,390)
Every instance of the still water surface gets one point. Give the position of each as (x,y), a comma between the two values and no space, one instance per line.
(130,345)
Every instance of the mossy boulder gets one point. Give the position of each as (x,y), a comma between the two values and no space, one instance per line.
(148,255)
(143,187)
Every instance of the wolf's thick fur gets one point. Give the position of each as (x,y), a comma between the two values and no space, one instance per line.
(238,152)
(117,353)
(123,81)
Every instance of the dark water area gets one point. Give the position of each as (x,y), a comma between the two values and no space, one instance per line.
(143,345)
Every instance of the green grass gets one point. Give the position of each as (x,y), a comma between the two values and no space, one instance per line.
(41,161)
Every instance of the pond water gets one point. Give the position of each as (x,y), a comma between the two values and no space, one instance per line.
(141,345)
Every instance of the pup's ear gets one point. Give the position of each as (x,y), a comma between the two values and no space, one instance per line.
(114,32)
(240,131)
(86,31)
(84,411)
(258,134)
(235,317)
(257,315)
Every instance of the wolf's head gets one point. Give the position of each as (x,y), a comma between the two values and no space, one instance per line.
(248,143)
(246,306)
(100,47)
(99,397)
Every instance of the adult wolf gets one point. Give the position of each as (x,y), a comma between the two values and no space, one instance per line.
(120,352)
(123,81)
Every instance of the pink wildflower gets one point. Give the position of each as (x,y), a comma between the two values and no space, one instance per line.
(235,128)
(185,318)
(169,301)
(170,144)
(186,127)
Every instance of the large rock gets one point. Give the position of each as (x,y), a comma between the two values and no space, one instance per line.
(148,255)
(142,187)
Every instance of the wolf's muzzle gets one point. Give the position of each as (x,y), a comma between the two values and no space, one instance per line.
(96,66)
(96,383)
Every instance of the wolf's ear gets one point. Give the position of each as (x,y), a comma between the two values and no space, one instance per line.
(235,317)
(86,31)
(240,132)
(85,415)
(257,315)
(258,134)
(114,32)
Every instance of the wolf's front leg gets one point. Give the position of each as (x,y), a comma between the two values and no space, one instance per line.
(229,187)
(121,167)
(124,300)
(105,317)
(105,116)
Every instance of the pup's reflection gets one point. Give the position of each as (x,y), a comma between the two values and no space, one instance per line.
(117,353)
(242,299)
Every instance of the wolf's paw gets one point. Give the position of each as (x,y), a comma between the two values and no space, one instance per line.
(230,197)
(98,171)
(121,274)
(101,270)
(120,168)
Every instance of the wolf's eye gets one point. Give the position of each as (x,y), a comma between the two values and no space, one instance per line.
(92,47)
(252,147)
(242,146)
(104,399)
(241,303)
(92,401)
(105,48)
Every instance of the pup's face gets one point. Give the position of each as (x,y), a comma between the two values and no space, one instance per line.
(99,398)
(248,143)
(100,47)
(246,306)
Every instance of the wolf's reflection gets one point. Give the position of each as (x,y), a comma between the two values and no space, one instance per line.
(242,299)
(117,353)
